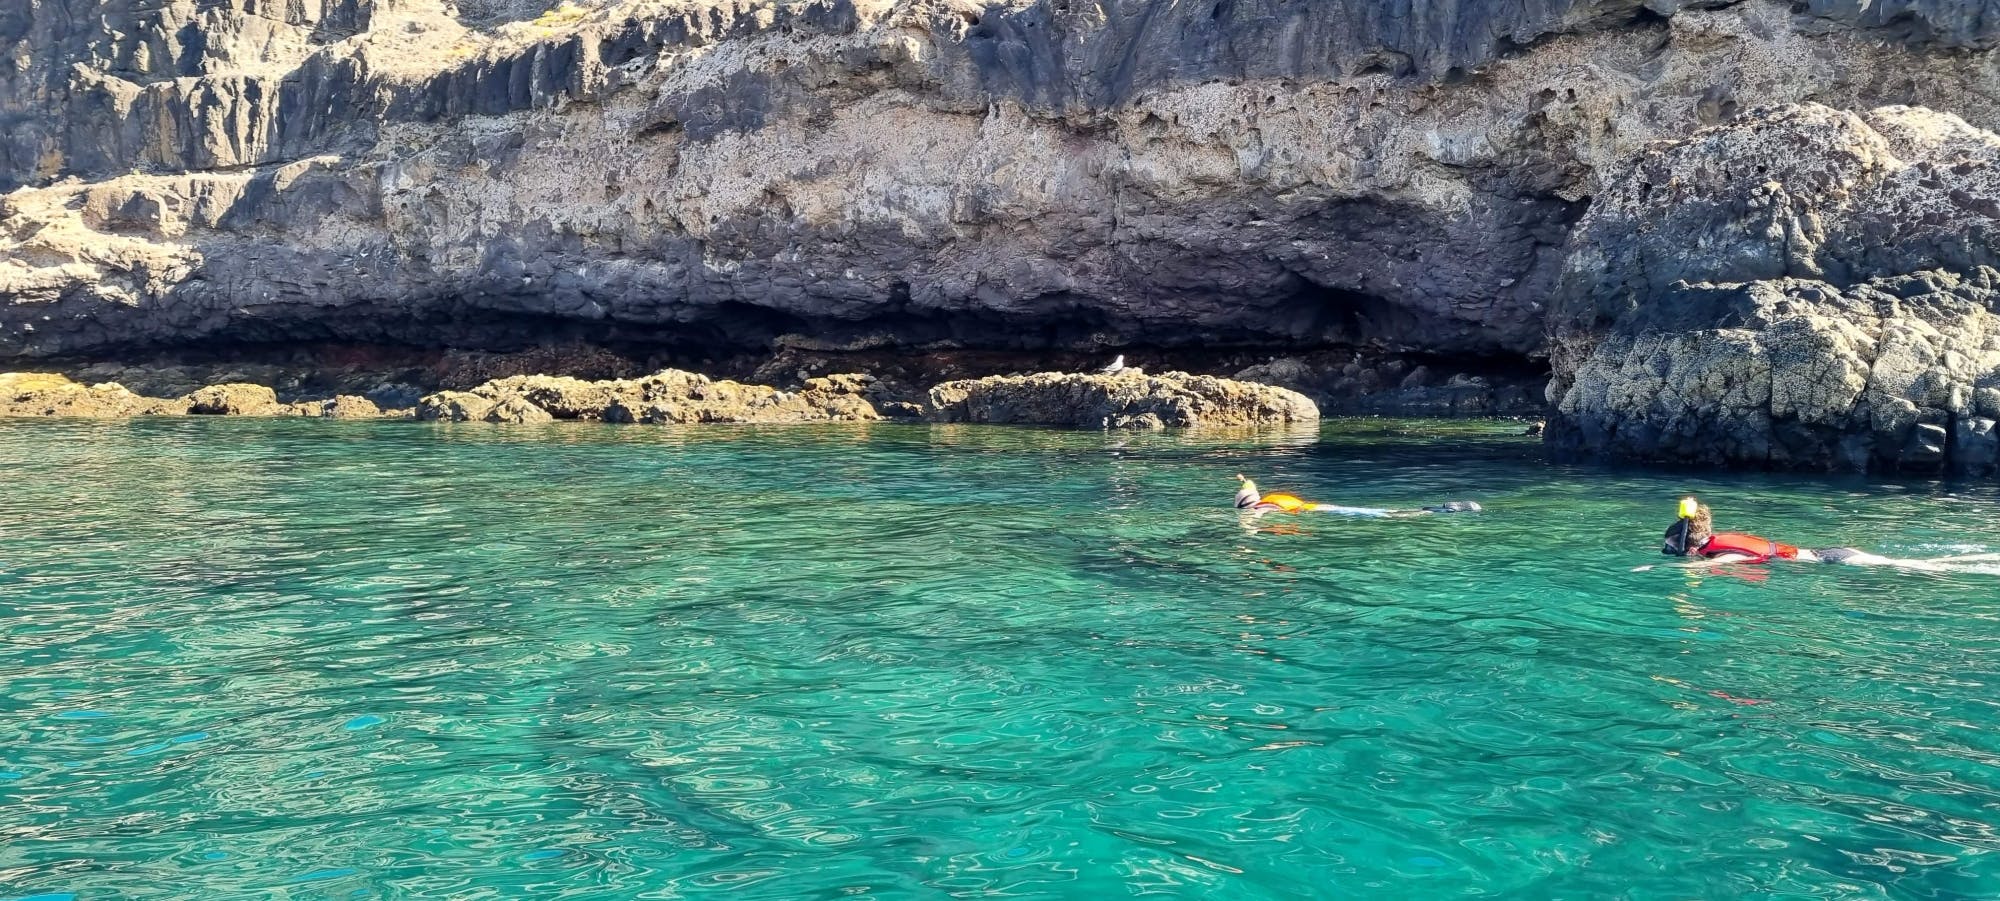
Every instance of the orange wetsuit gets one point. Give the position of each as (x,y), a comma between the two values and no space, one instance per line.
(1283,503)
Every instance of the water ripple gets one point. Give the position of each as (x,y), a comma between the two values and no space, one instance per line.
(311,660)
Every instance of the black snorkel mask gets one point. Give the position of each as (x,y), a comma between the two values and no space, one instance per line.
(1677,539)
(1246,494)
(1678,534)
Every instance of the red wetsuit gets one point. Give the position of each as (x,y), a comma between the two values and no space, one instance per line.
(1737,544)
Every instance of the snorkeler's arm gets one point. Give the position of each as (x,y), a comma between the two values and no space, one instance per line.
(1698,562)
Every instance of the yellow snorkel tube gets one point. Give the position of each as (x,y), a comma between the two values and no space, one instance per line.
(1678,535)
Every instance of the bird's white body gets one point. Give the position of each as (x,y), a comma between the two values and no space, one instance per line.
(1117,365)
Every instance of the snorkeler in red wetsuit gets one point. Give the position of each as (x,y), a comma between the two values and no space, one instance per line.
(1694,535)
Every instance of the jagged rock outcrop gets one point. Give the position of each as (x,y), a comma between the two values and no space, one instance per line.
(670,396)
(869,173)
(348,406)
(238,399)
(1805,288)
(458,406)
(41,394)
(49,394)
(1125,400)
(1899,373)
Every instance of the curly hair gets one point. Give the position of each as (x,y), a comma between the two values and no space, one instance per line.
(1702,527)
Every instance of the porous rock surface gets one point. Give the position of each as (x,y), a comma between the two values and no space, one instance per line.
(42,394)
(348,406)
(238,399)
(1124,400)
(670,396)
(1477,182)
(1807,288)
(869,173)
(50,394)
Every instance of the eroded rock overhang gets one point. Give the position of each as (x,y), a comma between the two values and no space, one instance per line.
(1048,175)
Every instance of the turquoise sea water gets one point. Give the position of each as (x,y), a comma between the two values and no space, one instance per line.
(279,659)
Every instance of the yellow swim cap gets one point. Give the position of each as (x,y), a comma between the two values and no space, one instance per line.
(1688,508)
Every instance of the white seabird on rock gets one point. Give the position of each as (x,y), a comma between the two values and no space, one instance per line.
(1117,365)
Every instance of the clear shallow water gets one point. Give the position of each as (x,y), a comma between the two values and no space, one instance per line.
(271,659)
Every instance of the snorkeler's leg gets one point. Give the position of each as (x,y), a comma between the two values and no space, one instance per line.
(1381,512)
(1446,507)
(1852,557)
(1338,510)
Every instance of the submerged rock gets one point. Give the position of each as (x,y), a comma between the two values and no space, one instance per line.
(1125,400)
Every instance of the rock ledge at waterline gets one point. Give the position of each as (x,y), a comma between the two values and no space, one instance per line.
(45,394)
(1128,400)
(1125,400)
(669,396)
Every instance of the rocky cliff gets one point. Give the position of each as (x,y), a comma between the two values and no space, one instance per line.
(1399,177)
(1805,288)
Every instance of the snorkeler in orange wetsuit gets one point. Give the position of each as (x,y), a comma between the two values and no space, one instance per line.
(1249,500)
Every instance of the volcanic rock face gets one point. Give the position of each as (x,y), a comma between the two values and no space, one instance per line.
(1891,374)
(1398,181)
(1808,288)
(866,173)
